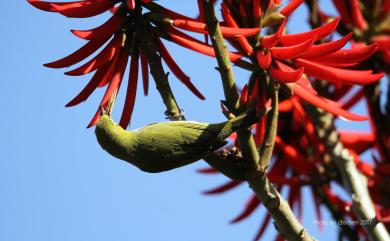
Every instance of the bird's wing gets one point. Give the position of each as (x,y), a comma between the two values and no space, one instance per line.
(193,137)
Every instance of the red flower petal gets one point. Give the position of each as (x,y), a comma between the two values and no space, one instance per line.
(326,48)
(191,43)
(247,48)
(357,15)
(117,76)
(100,59)
(365,168)
(58,6)
(208,170)
(264,60)
(306,123)
(341,91)
(317,205)
(176,69)
(386,57)
(333,198)
(292,51)
(78,55)
(348,56)
(291,6)
(320,32)
(383,42)
(337,75)
(263,226)
(343,10)
(131,4)
(353,99)
(103,31)
(145,74)
(325,104)
(285,106)
(250,206)
(202,17)
(202,28)
(130,93)
(302,81)
(94,8)
(256,10)
(114,9)
(297,161)
(244,96)
(223,188)
(357,141)
(271,40)
(78,9)
(95,118)
(201,10)
(283,76)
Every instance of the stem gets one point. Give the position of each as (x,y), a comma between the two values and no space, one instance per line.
(246,65)
(267,146)
(353,180)
(285,221)
(224,64)
(148,47)
(223,164)
(228,81)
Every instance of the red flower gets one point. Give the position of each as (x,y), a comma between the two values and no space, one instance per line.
(110,63)
(288,58)
(357,15)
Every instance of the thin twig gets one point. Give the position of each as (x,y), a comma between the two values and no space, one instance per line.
(149,48)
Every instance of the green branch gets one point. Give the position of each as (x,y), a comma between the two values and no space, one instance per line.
(354,182)
(228,81)
(267,146)
(286,223)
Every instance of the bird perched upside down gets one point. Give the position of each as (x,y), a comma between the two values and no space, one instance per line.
(167,145)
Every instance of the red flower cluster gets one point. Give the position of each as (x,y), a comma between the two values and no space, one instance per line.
(287,58)
(120,35)
(300,157)
(358,15)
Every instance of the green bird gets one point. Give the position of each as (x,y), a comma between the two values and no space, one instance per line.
(167,145)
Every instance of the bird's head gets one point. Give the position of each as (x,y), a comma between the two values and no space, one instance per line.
(106,126)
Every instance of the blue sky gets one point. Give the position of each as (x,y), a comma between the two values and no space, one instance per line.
(56,183)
